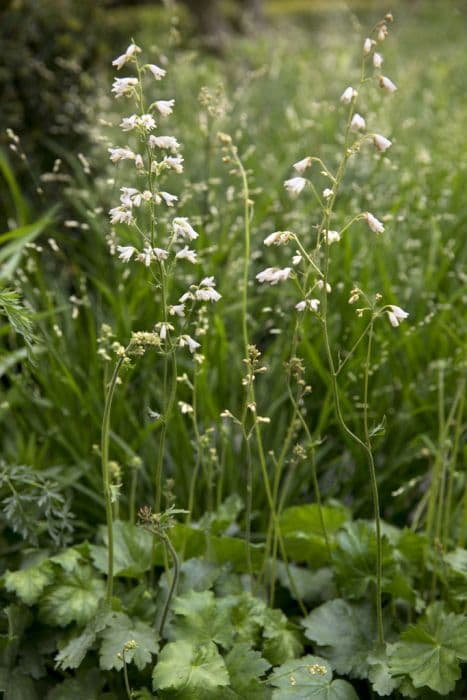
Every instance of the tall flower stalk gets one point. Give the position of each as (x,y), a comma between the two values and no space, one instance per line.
(160,245)
(310,270)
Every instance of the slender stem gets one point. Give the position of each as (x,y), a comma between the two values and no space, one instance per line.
(173,586)
(125,676)
(105,432)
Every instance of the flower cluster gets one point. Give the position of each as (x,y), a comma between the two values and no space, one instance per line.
(154,156)
(307,265)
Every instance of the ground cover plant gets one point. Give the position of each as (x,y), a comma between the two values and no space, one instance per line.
(233,374)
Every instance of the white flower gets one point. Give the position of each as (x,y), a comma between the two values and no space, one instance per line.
(165,107)
(297,258)
(302,165)
(163,329)
(295,185)
(374,223)
(207,282)
(368,45)
(186,254)
(358,123)
(168,198)
(120,215)
(175,163)
(381,142)
(387,84)
(160,254)
(127,195)
(207,294)
(169,143)
(278,238)
(312,304)
(139,162)
(177,310)
(146,256)
(157,72)
(327,193)
(377,60)
(129,123)
(396,315)
(123,87)
(147,122)
(320,285)
(185,407)
(118,154)
(183,228)
(382,33)
(120,61)
(332,236)
(188,340)
(273,275)
(348,95)
(126,252)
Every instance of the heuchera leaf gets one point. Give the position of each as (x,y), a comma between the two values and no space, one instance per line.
(245,667)
(430,651)
(344,633)
(73,652)
(199,619)
(132,551)
(74,597)
(281,643)
(29,584)
(120,630)
(87,684)
(309,678)
(190,668)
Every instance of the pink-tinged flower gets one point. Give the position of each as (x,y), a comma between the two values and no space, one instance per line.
(129,123)
(160,254)
(126,252)
(168,143)
(348,95)
(273,275)
(368,45)
(131,51)
(139,162)
(396,315)
(174,163)
(301,165)
(183,229)
(120,215)
(374,223)
(295,185)
(387,84)
(124,87)
(377,60)
(147,122)
(358,123)
(207,294)
(165,107)
(187,254)
(118,154)
(381,142)
(157,72)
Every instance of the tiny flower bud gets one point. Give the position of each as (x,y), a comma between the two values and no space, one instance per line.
(358,123)
(387,84)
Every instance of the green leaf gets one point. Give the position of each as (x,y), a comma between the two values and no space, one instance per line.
(14,243)
(309,678)
(190,667)
(29,584)
(120,630)
(311,586)
(18,686)
(355,560)
(379,675)
(430,651)
(245,667)
(86,685)
(303,533)
(74,598)
(344,634)
(73,652)
(69,559)
(281,642)
(132,550)
(198,618)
